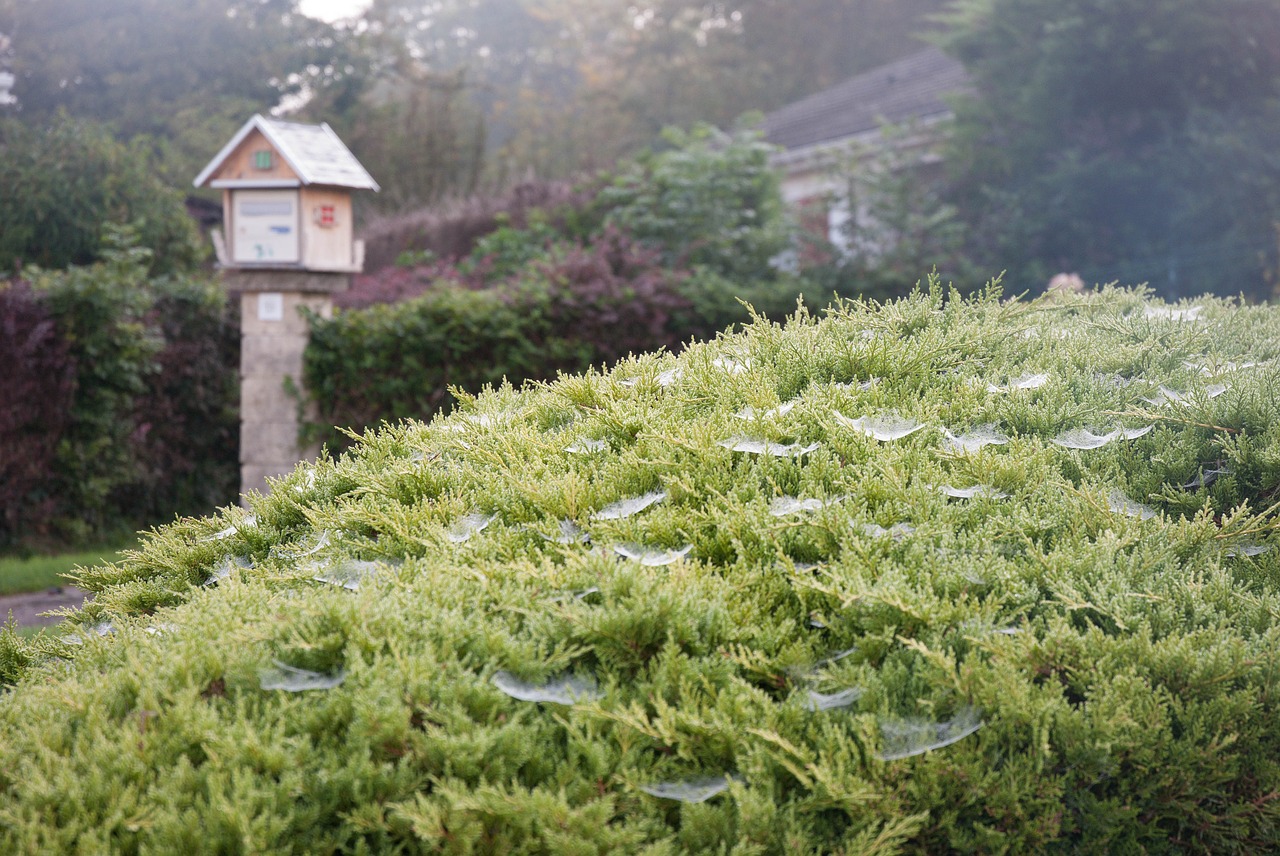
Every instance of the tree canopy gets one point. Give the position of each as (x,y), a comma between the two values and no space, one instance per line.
(1132,139)
(494,89)
(565,85)
(63,182)
(1129,140)
(182,73)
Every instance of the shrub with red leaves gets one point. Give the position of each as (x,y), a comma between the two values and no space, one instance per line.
(186,436)
(613,295)
(39,373)
(396,284)
(451,230)
(117,403)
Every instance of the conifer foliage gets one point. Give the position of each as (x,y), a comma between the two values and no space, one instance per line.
(852,584)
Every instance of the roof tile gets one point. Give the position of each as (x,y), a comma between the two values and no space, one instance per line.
(910,88)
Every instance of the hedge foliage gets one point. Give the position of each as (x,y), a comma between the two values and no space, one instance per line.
(580,306)
(557,619)
(662,251)
(524,306)
(41,376)
(120,391)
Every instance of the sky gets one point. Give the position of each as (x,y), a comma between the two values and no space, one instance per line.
(332,10)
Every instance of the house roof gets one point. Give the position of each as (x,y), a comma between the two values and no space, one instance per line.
(313,152)
(912,88)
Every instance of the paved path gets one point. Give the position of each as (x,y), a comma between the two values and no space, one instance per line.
(26,608)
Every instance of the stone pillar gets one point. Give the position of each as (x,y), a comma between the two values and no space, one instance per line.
(273,336)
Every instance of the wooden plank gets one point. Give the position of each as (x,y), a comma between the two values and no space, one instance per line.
(240,164)
(327,230)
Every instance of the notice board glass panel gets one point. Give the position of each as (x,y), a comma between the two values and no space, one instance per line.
(266,227)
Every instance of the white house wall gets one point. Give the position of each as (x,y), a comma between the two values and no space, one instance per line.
(818,175)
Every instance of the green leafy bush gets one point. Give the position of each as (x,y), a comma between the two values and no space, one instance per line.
(522,307)
(120,398)
(566,309)
(63,181)
(414,647)
(572,308)
(187,420)
(101,314)
(711,200)
(505,251)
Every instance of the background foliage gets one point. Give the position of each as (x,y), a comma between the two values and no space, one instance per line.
(1130,141)
(661,251)
(38,385)
(122,390)
(573,85)
(101,312)
(64,180)
(492,89)
(179,77)
(708,200)
(1126,140)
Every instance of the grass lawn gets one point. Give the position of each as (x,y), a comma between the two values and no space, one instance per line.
(41,572)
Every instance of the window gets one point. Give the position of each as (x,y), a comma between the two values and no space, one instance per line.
(262,160)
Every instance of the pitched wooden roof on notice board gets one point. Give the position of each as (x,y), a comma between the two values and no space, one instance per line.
(313,152)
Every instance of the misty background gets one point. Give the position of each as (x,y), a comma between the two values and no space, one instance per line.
(1132,140)
(567,182)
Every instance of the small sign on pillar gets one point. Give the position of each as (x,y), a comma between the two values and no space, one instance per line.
(270,306)
(289,244)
